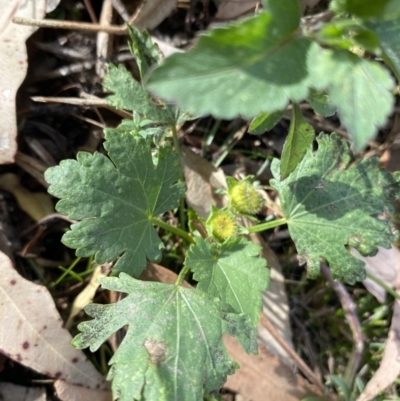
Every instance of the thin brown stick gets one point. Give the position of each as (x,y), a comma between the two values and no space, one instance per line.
(350,313)
(72,25)
(90,10)
(301,365)
(89,102)
(120,8)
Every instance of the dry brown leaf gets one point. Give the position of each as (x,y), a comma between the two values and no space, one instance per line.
(202,179)
(85,296)
(231,9)
(389,368)
(263,377)
(36,204)
(275,305)
(34,335)
(12,392)
(384,265)
(13,66)
(69,392)
(155,272)
(152,12)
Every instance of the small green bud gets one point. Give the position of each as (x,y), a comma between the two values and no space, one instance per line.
(244,197)
(222,225)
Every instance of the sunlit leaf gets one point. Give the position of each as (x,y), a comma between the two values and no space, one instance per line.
(256,65)
(173,348)
(301,136)
(360,89)
(330,204)
(234,272)
(115,199)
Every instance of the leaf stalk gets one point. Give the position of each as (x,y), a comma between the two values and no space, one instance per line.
(266,226)
(381,283)
(175,230)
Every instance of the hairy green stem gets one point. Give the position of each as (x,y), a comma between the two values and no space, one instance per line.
(182,275)
(381,283)
(182,217)
(266,226)
(176,230)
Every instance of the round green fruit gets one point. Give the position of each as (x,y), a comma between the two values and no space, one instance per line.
(222,225)
(245,199)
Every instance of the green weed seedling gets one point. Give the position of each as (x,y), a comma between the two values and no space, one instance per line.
(254,68)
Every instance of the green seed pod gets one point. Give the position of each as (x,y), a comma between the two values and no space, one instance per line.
(222,225)
(244,198)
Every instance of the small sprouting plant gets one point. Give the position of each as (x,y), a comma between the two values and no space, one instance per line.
(173,348)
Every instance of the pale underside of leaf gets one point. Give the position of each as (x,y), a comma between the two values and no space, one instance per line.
(360,89)
(227,77)
(330,205)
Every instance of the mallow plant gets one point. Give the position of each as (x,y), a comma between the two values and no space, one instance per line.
(345,61)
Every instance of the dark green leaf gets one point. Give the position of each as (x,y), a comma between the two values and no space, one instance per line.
(115,202)
(254,66)
(360,89)
(265,122)
(388,33)
(146,52)
(362,8)
(173,348)
(234,272)
(130,95)
(301,136)
(133,128)
(330,204)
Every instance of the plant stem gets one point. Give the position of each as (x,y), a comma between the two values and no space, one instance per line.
(181,276)
(381,283)
(182,217)
(176,230)
(266,226)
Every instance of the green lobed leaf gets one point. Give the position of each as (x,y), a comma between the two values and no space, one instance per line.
(388,33)
(301,136)
(319,101)
(130,95)
(330,205)
(254,66)
(347,34)
(368,9)
(143,49)
(362,8)
(234,272)
(136,128)
(360,89)
(265,122)
(115,202)
(173,348)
